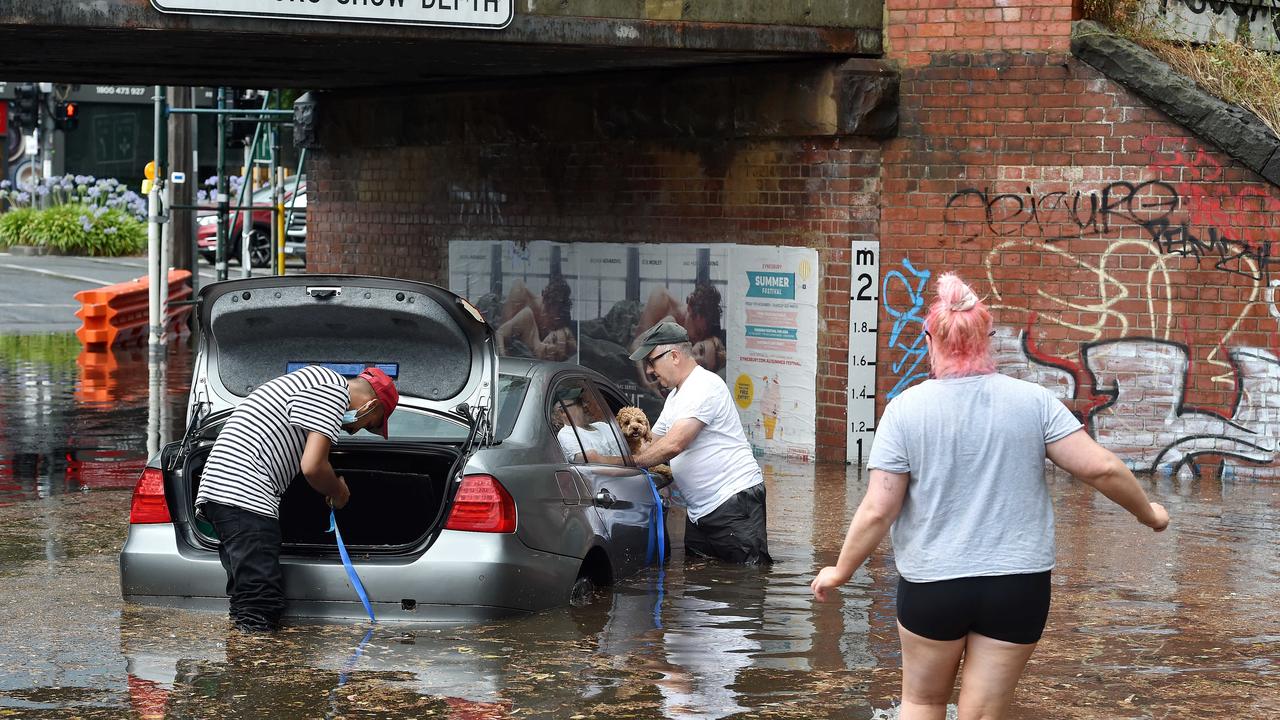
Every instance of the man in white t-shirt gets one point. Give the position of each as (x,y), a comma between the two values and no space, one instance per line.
(700,433)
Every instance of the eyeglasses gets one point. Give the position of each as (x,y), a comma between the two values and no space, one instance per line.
(650,361)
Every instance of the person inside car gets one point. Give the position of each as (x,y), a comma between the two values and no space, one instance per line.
(581,439)
(284,426)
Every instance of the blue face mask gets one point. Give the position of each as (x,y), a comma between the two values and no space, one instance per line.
(351,416)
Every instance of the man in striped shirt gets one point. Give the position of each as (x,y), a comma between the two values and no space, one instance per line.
(285,426)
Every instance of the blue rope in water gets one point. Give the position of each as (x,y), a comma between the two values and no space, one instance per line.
(657,526)
(657,521)
(351,571)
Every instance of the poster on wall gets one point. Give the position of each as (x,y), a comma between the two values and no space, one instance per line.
(525,290)
(626,289)
(773,344)
(589,302)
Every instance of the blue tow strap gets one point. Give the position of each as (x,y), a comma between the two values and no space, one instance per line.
(351,571)
(659,520)
(657,526)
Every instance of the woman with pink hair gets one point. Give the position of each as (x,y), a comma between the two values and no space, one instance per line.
(957,473)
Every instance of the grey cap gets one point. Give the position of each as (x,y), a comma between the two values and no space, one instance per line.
(664,333)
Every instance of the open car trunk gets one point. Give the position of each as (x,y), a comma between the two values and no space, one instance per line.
(397,505)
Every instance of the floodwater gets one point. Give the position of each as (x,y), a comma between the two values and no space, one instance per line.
(1177,625)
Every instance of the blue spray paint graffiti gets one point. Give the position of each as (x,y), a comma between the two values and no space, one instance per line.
(905,323)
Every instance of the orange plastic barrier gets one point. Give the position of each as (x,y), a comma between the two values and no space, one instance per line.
(117,314)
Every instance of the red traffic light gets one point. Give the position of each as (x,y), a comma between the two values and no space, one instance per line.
(67,116)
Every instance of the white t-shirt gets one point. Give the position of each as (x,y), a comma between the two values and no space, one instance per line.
(718,464)
(598,436)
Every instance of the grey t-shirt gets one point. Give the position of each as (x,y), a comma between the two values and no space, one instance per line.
(975,449)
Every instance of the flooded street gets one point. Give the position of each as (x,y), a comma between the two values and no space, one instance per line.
(1177,625)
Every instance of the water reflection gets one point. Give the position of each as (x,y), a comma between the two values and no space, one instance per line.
(72,420)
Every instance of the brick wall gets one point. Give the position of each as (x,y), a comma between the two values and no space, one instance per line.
(1127,263)
(393,210)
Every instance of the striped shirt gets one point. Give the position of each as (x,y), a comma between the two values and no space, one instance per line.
(259,451)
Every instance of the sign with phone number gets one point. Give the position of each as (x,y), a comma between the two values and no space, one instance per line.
(484,14)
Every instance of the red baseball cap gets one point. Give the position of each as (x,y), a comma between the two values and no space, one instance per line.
(384,388)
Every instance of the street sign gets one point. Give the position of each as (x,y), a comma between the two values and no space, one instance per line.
(481,14)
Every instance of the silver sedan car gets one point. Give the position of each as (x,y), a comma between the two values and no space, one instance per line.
(478,505)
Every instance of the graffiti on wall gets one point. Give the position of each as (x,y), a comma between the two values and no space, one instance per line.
(907,347)
(1161,291)
(1254,22)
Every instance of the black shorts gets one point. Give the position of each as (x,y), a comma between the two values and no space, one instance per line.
(1012,608)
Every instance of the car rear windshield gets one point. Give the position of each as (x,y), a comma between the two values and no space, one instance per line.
(414,423)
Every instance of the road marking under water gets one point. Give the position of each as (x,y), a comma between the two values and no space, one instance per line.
(65,276)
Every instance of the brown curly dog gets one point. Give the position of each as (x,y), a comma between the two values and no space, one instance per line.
(635,428)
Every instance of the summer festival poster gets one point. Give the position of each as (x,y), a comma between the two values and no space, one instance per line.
(773,343)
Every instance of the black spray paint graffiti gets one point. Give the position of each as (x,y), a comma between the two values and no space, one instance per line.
(1063,215)
(1246,11)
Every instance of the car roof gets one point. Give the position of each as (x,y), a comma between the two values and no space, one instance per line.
(528,367)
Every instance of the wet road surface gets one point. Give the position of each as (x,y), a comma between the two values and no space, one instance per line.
(1177,625)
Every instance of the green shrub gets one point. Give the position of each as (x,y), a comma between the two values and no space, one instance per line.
(14,227)
(74,214)
(76,229)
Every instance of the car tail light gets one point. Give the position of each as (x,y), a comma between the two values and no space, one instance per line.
(149,505)
(482,505)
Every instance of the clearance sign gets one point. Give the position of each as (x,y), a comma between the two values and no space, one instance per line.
(491,14)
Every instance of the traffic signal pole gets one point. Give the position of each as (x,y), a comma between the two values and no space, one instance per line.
(158,285)
(220,263)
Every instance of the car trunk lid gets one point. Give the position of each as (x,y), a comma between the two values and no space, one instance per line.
(433,343)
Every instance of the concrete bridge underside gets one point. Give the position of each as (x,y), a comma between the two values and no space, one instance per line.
(129,41)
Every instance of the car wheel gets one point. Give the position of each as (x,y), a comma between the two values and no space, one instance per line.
(583,592)
(260,248)
(210,258)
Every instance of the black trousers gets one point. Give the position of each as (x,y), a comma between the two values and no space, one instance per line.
(250,553)
(734,532)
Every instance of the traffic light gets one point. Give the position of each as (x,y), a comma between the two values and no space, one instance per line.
(66,116)
(26,105)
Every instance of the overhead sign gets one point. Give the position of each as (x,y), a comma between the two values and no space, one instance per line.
(485,14)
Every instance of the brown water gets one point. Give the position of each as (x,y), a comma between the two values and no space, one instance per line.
(1177,625)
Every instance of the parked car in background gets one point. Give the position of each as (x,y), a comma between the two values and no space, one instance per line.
(260,238)
(295,229)
(473,507)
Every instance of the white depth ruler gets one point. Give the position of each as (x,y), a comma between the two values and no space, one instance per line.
(864,311)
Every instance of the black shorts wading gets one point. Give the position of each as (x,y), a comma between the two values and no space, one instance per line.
(1012,608)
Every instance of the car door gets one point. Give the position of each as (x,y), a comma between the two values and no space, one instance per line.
(620,493)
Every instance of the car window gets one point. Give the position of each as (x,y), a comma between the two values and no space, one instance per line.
(583,425)
(263,194)
(511,390)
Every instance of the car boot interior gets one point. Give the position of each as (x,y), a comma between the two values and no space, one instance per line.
(396,502)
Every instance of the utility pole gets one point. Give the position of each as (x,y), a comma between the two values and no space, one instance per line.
(181,144)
